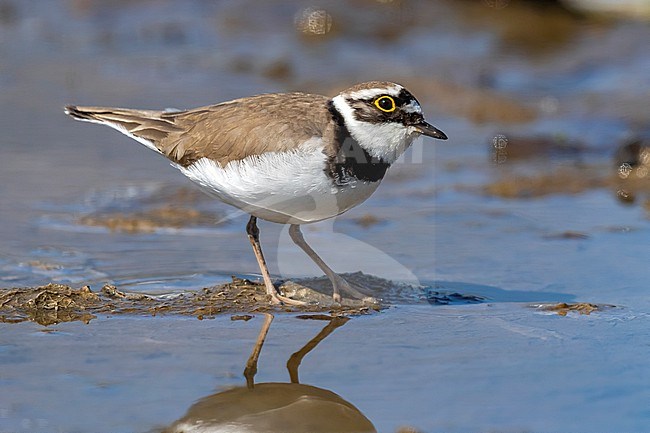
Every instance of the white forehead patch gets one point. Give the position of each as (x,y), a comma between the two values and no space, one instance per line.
(372,93)
(412,107)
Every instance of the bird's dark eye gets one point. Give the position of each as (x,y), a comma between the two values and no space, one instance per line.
(385,103)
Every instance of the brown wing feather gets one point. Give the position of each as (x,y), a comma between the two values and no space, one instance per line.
(146,124)
(224,132)
(244,127)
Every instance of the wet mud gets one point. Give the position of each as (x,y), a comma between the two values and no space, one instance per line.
(627,176)
(563,308)
(56,303)
(562,180)
(241,298)
(149,221)
(168,208)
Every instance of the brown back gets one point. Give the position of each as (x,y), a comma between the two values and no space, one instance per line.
(224,132)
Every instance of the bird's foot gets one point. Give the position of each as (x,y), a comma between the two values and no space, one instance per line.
(278,299)
(341,285)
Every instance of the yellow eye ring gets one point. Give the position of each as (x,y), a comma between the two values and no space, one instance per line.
(385,103)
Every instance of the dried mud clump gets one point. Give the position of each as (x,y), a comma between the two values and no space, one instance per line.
(55,303)
(408,429)
(563,180)
(150,220)
(563,308)
(48,305)
(567,180)
(437,297)
(368,220)
(628,180)
(517,148)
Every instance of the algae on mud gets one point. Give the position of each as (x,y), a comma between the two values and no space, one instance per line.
(563,308)
(575,178)
(55,303)
(148,221)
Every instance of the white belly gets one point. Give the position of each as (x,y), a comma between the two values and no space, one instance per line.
(283,187)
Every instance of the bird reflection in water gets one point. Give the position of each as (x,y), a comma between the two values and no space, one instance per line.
(275,407)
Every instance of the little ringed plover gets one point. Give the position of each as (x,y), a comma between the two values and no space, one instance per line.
(289,158)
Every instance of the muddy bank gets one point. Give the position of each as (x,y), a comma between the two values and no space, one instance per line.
(528,167)
(55,303)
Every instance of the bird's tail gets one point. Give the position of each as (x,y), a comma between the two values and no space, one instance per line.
(148,127)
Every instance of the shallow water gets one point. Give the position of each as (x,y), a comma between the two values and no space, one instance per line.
(456,368)
(478,71)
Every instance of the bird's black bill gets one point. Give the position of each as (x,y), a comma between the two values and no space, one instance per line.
(429,130)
